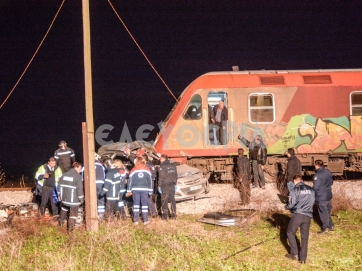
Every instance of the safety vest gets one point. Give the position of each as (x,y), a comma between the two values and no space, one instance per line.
(42,170)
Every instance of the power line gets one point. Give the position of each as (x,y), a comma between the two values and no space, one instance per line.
(32,58)
(139,47)
(154,69)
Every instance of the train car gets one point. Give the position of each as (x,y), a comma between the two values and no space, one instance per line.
(316,112)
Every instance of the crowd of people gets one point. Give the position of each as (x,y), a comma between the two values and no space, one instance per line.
(302,198)
(60,183)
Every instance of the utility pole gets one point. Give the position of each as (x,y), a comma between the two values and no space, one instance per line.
(88,129)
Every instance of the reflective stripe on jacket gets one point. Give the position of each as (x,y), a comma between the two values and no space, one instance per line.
(140,179)
(113,184)
(39,175)
(70,188)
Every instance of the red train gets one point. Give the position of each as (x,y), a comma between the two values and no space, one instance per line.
(317,112)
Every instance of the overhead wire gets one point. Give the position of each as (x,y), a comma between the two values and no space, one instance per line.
(154,69)
(143,53)
(32,58)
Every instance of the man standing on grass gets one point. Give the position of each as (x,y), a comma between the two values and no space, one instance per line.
(322,185)
(71,195)
(300,203)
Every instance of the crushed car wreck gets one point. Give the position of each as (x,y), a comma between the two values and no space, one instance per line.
(191,184)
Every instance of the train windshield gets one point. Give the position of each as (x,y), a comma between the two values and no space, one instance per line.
(194,108)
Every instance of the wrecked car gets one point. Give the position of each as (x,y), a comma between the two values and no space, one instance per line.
(191,184)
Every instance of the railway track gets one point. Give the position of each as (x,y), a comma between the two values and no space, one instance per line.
(5,189)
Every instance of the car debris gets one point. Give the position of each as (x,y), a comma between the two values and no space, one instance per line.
(191,183)
(21,210)
(228,218)
(118,149)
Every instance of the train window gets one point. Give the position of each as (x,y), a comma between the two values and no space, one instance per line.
(213,98)
(194,109)
(261,108)
(356,103)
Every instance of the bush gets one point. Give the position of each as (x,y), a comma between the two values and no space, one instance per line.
(2,177)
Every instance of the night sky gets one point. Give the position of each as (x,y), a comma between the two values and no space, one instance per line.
(183,40)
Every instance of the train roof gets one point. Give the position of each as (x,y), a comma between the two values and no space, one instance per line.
(270,78)
(281,71)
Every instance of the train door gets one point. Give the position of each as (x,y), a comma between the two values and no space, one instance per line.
(218,118)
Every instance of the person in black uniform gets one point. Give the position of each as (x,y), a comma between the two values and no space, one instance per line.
(65,156)
(71,195)
(167,180)
(115,180)
(244,177)
(322,185)
(301,201)
(151,204)
(100,176)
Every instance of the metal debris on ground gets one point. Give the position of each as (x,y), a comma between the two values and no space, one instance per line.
(23,210)
(228,218)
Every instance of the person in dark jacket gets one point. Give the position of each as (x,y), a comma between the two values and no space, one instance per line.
(301,201)
(140,186)
(211,125)
(220,118)
(48,176)
(244,176)
(257,155)
(293,168)
(71,195)
(100,176)
(65,156)
(167,180)
(151,204)
(322,185)
(114,182)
